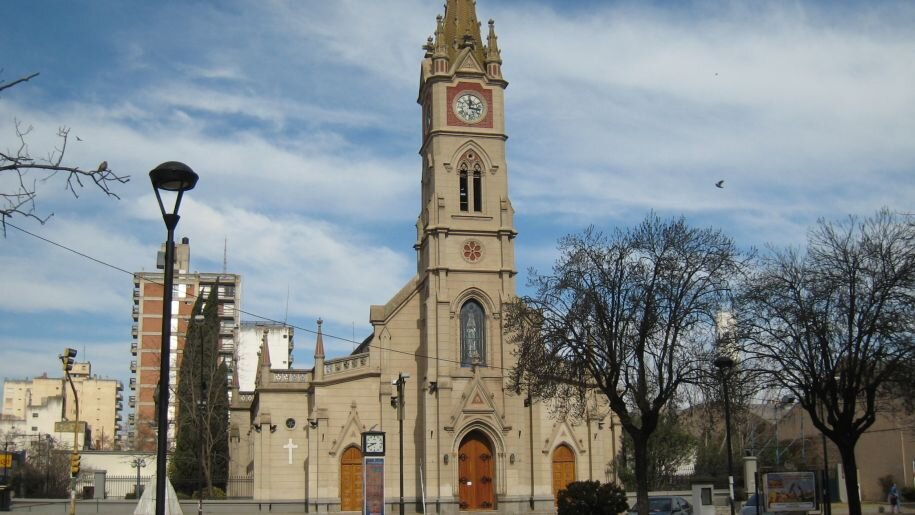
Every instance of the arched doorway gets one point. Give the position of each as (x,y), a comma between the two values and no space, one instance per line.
(476,473)
(563,469)
(351,480)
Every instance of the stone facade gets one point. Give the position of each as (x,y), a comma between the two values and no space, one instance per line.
(443,329)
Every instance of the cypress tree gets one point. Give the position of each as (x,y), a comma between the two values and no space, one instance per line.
(201,456)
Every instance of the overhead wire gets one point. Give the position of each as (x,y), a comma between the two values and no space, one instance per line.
(255,315)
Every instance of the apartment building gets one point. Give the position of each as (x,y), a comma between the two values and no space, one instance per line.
(252,336)
(148,289)
(45,406)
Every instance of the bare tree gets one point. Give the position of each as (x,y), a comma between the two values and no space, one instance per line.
(834,325)
(21,171)
(631,315)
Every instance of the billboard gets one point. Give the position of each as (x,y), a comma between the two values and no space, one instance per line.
(790,491)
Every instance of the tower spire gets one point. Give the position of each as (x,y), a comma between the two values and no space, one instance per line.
(462,28)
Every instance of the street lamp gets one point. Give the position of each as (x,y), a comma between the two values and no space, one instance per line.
(725,364)
(175,177)
(400,382)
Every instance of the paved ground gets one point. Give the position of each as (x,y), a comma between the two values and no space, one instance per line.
(56,506)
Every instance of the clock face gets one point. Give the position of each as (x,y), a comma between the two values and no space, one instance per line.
(469,107)
(374,443)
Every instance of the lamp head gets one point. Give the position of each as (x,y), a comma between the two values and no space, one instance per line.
(173,176)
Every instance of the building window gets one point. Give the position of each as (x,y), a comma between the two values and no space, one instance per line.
(477,189)
(35,415)
(464,194)
(473,341)
(470,175)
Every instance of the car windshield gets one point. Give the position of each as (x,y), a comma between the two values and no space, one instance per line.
(658,504)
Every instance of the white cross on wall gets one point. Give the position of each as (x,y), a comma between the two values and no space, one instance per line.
(290,446)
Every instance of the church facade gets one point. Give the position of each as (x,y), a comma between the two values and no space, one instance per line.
(437,362)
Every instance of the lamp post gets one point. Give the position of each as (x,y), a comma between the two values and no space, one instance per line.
(175,177)
(827,503)
(725,364)
(137,462)
(400,382)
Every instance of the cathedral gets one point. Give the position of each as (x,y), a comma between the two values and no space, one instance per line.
(424,400)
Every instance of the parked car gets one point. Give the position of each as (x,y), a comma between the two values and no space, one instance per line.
(666,505)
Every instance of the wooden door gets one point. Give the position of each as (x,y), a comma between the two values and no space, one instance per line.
(476,473)
(351,480)
(563,469)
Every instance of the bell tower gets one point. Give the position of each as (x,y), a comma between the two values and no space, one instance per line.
(465,256)
(465,223)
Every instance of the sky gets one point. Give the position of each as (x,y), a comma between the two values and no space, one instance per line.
(301,119)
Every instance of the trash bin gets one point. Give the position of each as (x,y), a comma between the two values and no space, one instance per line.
(5,498)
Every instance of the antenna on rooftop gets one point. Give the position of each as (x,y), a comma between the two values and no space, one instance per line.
(225,254)
(286,314)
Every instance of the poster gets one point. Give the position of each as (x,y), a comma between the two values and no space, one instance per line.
(790,491)
(373,482)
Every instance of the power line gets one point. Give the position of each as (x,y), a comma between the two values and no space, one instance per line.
(255,315)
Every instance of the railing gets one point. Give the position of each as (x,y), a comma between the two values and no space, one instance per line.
(246,396)
(289,376)
(121,487)
(345,364)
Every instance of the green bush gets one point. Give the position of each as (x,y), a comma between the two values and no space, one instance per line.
(908,493)
(592,498)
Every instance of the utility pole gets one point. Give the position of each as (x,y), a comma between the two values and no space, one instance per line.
(400,382)
(66,360)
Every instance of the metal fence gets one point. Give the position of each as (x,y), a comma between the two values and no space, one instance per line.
(120,487)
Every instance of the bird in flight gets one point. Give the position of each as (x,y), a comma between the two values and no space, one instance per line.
(78,138)
(720,184)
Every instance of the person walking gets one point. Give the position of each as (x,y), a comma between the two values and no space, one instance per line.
(893,498)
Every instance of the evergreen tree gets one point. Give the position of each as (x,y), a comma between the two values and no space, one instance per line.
(201,458)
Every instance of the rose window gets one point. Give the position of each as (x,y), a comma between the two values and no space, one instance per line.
(472,251)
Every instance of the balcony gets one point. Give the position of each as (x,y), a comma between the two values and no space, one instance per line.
(136,294)
(133,366)
(118,417)
(134,330)
(133,348)
(136,313)
(132,402)
(119,397)
(131,419)
(120,387)
(133,383)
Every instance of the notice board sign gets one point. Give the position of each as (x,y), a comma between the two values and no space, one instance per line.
(790,491)
(373,483)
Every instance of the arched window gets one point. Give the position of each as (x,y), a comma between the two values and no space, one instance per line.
(470,177)
(464,193)
(473,335)
(477,188)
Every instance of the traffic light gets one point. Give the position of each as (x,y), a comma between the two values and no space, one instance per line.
(67,358)
(74,464)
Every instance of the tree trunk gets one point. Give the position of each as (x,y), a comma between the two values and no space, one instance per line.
(850,468)
(640,444)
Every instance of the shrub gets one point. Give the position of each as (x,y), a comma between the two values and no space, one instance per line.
(592,498)
(908,493)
